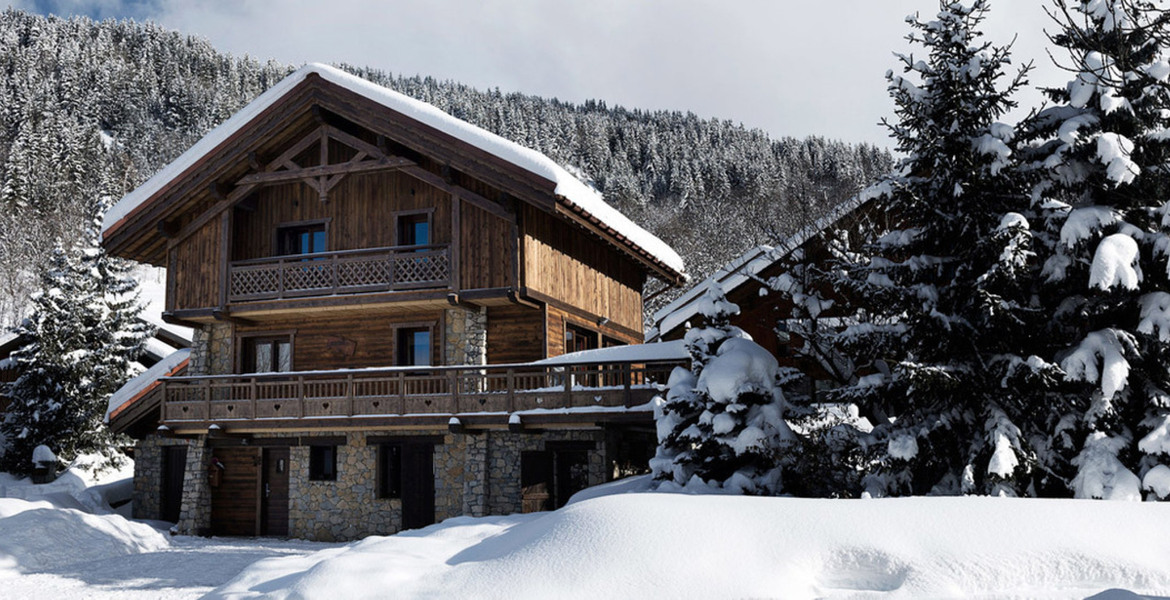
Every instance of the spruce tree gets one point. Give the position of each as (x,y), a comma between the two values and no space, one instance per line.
(722,423)
(1100,155)
(85,333)
(933,298)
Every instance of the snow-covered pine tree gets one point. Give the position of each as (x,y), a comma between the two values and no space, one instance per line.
(934,300)
(85,333)
(1101,153)
(722,422)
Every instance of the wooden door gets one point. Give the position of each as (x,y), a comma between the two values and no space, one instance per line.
(572,474)
(536,481)
(174,467)
(418,485)
(274,495)
(235,502)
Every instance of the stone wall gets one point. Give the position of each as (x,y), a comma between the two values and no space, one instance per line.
(211,350)
(465,336)
(503,464)
(148,465)
(345,509)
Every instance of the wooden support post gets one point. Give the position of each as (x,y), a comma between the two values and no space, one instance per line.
(626,376)
(455,249)
(301,393)
(207,399)
(401,393)
(453,387)
(163,412)
(511,382)
(568,387)
(349,395)
(225,253)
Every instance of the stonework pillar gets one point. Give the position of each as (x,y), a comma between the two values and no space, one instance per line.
(195,512)
(465,336)
(475,475)
(211,350)
(148,478)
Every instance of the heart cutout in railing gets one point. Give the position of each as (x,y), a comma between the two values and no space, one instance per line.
(376,404)
(540,400)
(184,409)
(325,405)
(231,407)
(275,407)
(427,402)
(482,401)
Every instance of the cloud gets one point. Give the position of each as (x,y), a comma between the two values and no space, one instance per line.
(791,68)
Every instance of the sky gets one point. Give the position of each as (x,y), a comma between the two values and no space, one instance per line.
(789,67)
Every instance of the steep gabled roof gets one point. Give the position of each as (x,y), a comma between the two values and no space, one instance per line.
(576,197)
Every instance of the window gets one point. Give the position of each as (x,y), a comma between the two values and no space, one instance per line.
(414,346)
(578,339)
(322,463)
(269,354)
(300,239)
(414,229)
(389,471)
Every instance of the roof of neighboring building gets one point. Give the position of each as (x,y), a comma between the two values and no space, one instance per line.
(577,196)
(748,266)
(142,384)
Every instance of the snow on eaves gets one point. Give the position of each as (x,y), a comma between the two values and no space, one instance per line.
(135,386)
(750,264)
(568,188)
(674,350)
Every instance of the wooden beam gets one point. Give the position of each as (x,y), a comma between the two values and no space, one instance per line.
(354,142)
(467,195)
(271,177)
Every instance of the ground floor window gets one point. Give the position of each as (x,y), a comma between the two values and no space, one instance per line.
(322,463)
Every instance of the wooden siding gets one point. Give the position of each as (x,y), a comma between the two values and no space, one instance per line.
(515,334)
(346,341)
(558,318)
(360,213)
(485,249)
(571,266)
(235,501)
(195,271)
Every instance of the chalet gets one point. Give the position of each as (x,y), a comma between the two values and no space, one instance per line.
(371,283)
(752,281)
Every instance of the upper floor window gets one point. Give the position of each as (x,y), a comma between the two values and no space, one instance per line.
(414,346)
(578,339)
(306,238)
(414,229)
(267,354)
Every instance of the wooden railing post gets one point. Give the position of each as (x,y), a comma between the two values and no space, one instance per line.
(402,392)
(349,395)
(511,383)
(301,393)
(626,381)
(280,278)
(207,399)
(568,387)
(165,400)
(453,384)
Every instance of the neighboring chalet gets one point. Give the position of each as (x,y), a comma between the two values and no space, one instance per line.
(754,283)
(370,281)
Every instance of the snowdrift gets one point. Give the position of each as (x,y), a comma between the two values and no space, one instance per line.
(652,545)
(39,535)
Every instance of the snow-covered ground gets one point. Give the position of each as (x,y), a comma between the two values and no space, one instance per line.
(619,541)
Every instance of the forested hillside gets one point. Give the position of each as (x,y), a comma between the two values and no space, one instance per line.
(96,107)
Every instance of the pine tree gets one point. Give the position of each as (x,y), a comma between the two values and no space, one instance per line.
(85,333)
(934,298)
(1100,156)
(722,423)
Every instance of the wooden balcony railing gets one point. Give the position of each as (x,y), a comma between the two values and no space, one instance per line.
(345,272)
(409,391)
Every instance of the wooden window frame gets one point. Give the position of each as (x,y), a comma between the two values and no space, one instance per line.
(436,343)
(297,224)
(430,215)
(594,333)
(242,339)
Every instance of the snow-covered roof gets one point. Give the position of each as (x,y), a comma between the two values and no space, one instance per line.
(569,188)
(748,266)
(144,380)
(674,350)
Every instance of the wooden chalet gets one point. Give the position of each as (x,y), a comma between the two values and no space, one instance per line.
(765,313)
(370,282)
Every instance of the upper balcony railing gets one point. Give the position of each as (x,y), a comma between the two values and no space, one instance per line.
(346,272)
(408,391)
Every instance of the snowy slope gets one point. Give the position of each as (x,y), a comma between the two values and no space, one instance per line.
(649,545)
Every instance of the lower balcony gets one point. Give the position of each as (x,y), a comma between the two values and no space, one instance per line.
(409,394)
(389,269)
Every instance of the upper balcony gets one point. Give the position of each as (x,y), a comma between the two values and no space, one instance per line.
(389,269)
(477,395)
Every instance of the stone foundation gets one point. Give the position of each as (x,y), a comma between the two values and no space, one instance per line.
(475,474)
